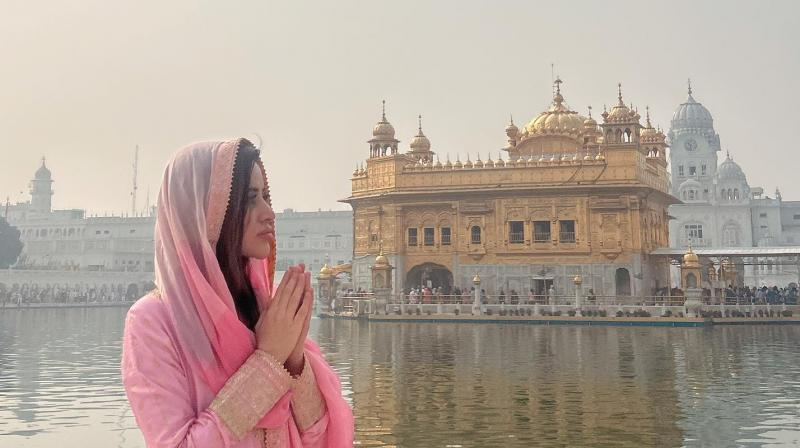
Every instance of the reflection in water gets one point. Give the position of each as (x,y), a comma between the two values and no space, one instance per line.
(427,385)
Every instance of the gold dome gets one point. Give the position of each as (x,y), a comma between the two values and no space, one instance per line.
(420,142)
(381,259)
(690,259)
(326,271)
(383,129)
(621,113)
(559,119)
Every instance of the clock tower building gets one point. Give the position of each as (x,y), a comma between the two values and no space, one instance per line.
(693,157)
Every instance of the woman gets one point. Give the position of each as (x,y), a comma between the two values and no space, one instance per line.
(214,357)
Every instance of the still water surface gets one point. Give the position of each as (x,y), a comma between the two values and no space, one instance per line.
(447,385)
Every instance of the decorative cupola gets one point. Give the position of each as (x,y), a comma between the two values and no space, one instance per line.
(383,142)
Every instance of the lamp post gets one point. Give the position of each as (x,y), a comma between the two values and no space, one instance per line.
(476,304)
(578,280)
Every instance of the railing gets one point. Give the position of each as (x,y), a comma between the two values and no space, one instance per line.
(541,237)
(516,237)
(696,242)
(566,237)
(556,305)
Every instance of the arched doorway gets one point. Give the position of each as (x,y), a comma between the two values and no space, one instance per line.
(431,275)
(622,280)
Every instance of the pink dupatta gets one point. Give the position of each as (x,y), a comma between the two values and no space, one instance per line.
(192,205)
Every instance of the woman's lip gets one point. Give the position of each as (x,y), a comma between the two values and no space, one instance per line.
(266,235)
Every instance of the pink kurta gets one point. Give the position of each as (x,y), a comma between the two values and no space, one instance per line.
(173,405)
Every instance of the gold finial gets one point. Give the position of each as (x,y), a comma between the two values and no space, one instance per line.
(420,124)
(512,119)
(43,160)
(557,98)
(619,94)
(689,81)
(590,111)
(647,109)
(384,110)
(477,279)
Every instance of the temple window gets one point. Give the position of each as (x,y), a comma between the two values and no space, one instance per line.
(444,234)
(692,170)
(566,233)
(680,170)
(412,236)
(694,232)
(427,236)
(516,232)
(475,235)
(541,231)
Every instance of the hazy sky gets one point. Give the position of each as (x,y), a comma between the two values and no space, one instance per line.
(84,82)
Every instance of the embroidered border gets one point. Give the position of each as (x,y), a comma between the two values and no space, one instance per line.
(219,190)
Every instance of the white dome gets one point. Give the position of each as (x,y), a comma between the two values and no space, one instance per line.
(730,170)
(692,114)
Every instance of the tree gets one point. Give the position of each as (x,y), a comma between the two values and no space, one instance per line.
(10,244)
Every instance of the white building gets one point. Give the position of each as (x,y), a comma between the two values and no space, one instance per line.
(68,240)
(720,209)
(313,238)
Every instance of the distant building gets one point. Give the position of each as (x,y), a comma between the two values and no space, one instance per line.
(720,209)
(69,240)
(313,238)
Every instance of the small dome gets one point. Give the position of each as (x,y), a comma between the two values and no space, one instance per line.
(420,142)
(381,259)
(692,114)
(690,259)
(43,173)
(383,129)
(512,130)
(326,271)
(689,183)
(730,170)
(621,113)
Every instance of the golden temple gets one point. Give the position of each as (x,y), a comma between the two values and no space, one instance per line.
(570,197)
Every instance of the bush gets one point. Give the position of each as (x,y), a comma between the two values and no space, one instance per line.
(457,311)
(771,313)
(571,313)
(530,312)
(489,312)
(428,312)
(557,313)
(760,313)
(620,314)
(419,312)
(603,313)
(680,313)
(667,313)
(727,313)
(786,313)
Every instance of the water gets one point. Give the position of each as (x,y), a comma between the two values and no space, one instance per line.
(447,385)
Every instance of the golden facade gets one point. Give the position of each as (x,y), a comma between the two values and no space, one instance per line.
(571,197)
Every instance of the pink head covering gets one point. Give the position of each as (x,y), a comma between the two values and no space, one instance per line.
(191,209)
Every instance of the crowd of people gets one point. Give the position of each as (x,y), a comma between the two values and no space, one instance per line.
(32,293)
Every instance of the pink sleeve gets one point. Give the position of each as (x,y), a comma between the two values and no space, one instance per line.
(158,389)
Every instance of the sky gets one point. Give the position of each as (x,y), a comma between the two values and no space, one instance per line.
(83,83)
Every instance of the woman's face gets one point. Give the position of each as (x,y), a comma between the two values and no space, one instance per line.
(258,237)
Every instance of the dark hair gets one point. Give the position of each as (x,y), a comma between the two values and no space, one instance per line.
(229,246)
